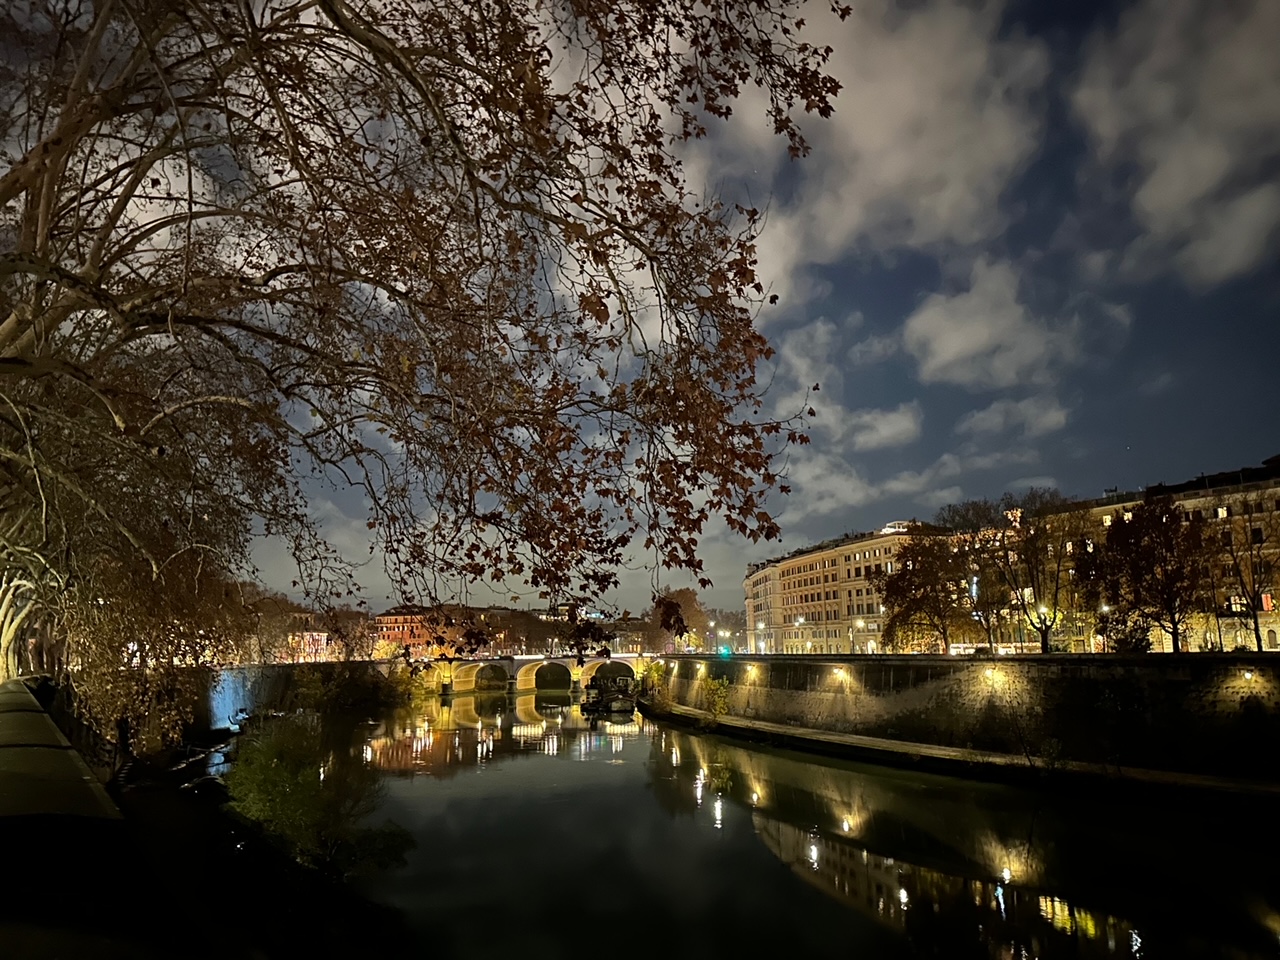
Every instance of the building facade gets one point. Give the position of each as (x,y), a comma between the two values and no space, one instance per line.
(821,599)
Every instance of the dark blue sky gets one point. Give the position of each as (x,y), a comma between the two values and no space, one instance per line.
(1036,245)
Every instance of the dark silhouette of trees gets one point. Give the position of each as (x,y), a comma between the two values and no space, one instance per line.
(1247,531)
(1149,570)
(1027,540)
(925,592)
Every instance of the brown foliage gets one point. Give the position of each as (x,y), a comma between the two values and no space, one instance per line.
(442,253)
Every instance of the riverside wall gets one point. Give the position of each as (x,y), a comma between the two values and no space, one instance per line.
(1209,715)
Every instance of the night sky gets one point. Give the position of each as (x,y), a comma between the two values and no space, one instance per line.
(1036,245)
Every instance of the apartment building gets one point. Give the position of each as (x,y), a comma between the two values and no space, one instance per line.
(821,599)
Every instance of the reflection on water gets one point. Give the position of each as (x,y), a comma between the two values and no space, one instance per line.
(949,863)
(450,734)
(694,829)
(306,779)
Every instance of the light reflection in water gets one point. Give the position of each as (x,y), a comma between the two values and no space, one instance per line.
(916,857)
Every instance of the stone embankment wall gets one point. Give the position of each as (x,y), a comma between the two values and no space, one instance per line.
(1209,714)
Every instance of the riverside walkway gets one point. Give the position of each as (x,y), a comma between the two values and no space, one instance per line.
(41,775)
(933,758)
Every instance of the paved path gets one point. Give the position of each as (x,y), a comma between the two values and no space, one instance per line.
(940,759)
(40,773)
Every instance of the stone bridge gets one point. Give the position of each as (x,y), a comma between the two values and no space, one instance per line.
(521,674)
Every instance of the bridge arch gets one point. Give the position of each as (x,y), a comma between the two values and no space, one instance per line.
(479,675)
(556,675)
(604,668)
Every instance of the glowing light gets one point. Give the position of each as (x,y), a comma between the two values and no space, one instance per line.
(702,668)
(1007,874)
(813,855)
(844,825)
(902,896)
(719,809)
(755,797)
(1248,674)
(988,673)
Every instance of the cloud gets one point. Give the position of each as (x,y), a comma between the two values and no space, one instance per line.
(1186,94)
(983,337)
(874,349)
(1026,483)
(1034,416)
(826,483)
(878,429)
(938,112)
(940,498)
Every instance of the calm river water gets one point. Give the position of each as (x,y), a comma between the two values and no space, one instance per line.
(524,831)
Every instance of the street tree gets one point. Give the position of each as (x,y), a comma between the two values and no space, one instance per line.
(678,614)
(1028,540)
(1151,567)
(1034,542)
(441,254)
(1247,531)
(926,590)
(974,527)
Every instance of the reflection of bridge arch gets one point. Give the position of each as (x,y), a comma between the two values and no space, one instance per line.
(461,711)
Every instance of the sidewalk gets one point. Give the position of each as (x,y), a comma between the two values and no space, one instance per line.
(40,773)
(950,761)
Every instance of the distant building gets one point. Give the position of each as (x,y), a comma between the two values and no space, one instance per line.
(820,599)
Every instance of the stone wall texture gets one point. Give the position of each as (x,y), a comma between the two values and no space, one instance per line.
(1208,714)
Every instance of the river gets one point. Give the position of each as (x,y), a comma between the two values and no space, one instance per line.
(512,827)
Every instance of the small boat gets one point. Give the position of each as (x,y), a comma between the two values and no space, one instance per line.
(610,697)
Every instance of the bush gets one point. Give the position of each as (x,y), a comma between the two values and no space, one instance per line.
(716,695)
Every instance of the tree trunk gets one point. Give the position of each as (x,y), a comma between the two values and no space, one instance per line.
(1044,632)
(1257,627)
(1175,636)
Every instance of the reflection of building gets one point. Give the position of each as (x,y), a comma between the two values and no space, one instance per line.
(820,599)
(933,908)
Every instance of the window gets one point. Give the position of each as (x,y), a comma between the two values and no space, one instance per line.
(1224,512)
(1255,536)
(1106,520)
